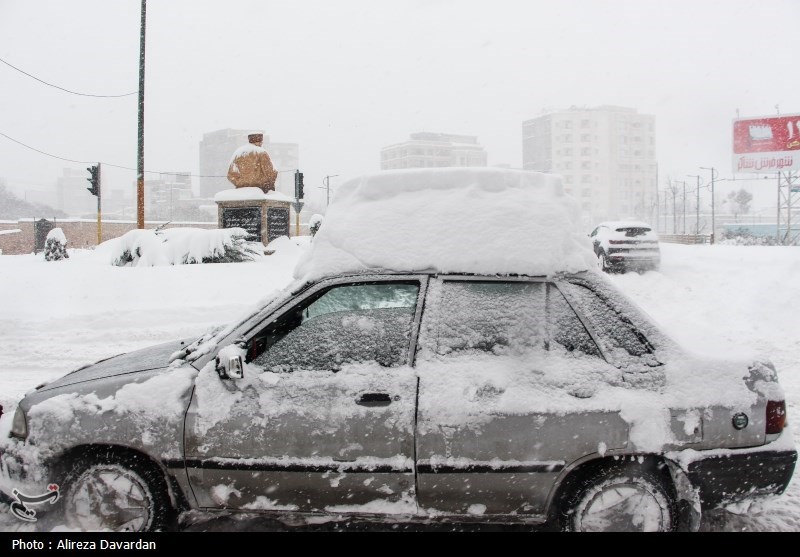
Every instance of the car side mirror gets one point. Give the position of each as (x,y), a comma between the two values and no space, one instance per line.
(230,367)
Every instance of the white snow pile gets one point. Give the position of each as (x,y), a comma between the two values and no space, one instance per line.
(466,220)
(180,246)
(57,235)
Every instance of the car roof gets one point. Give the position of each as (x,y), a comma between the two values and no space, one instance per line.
(625,224)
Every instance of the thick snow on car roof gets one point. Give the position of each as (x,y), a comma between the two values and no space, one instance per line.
(450,220)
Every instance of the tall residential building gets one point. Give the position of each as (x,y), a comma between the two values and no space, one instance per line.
(165,194)
(216,149)
(607,156)
(426,150)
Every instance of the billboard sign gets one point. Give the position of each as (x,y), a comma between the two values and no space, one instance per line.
(768,144)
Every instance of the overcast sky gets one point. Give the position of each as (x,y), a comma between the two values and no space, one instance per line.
(344,78)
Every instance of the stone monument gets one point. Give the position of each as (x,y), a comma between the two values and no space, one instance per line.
(254,204)
(251,166)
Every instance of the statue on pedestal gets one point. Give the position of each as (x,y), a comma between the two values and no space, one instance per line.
(251,166)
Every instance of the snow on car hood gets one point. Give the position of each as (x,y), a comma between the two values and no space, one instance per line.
(153,357)
(454,220)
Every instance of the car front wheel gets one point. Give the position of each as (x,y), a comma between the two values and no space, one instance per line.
(625,497)
(116,493)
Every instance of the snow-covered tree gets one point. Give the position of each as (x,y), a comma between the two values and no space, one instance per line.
(180,246)
(55,246)
(738,202)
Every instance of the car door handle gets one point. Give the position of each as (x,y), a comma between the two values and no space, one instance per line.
(375,399)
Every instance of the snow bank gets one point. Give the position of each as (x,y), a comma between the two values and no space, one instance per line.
(471,220)
(177,246)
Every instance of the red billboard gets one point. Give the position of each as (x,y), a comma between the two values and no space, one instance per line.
(768,144)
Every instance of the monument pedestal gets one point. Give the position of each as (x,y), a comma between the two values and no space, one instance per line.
(264,216)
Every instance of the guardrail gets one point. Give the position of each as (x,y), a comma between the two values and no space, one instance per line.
(685,238)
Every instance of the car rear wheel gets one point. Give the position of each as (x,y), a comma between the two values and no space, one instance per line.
(625,497)
(121,494)
(602,263)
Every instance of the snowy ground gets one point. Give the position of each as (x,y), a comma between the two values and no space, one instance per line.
(56,316)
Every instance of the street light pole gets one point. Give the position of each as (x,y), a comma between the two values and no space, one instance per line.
(328,188)
(713,209)
(683,203)
(697,209)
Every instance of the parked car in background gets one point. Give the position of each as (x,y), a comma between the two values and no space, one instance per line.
(626,246)
(412,380)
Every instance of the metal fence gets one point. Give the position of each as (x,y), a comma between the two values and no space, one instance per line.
(685,238)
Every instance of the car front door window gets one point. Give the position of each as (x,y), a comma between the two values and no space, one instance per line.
(345,325)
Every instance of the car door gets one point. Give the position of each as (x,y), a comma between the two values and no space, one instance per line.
(508,373)
(323,419)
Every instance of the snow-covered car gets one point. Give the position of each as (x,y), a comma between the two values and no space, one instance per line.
(426,365)
(626,246)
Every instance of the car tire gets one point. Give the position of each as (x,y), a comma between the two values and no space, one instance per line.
(602,263)
(125,493)
(620,497)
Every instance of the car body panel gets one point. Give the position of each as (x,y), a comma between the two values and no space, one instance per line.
(256,451)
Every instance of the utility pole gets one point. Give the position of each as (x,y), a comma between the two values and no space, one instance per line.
(697,221)
(674,191)
(713,209)
(140,151)
(328,188)
(684,207)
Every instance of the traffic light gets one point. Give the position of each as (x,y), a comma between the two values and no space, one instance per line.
(94,171)
(298,184)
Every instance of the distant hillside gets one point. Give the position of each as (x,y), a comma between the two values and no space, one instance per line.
(12,207)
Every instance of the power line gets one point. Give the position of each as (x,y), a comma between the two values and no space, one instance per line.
(62,88)
(120,166)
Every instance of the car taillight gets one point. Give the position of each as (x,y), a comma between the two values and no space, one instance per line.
(776,416)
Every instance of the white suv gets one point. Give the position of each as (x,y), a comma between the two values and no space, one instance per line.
(626,245)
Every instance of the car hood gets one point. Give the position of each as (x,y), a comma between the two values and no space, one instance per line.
(153,357)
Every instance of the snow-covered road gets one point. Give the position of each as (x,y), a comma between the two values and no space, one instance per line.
(721,300)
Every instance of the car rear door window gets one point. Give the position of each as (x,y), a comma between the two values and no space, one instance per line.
(498,317)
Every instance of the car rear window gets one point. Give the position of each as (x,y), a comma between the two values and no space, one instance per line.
(617,334)
(634,231)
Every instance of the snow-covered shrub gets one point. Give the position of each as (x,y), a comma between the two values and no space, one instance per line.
(55,246)
(314,223)
(180,246)
(743,237)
